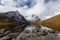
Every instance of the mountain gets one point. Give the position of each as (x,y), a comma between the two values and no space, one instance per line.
(13,22)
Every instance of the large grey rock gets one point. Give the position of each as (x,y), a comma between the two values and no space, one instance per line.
(12,16)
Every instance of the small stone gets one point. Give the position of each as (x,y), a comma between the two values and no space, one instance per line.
(44,33)
(32,35)
(27,31)
(2,30)
(51,31)
(38,34)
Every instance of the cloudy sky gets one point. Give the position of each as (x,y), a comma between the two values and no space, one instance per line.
(42,8)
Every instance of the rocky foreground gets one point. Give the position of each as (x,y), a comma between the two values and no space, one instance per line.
(33,33)
(38,34)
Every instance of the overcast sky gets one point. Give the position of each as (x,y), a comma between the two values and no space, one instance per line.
(42,8)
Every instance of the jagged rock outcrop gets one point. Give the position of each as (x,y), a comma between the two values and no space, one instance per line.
(18,24)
